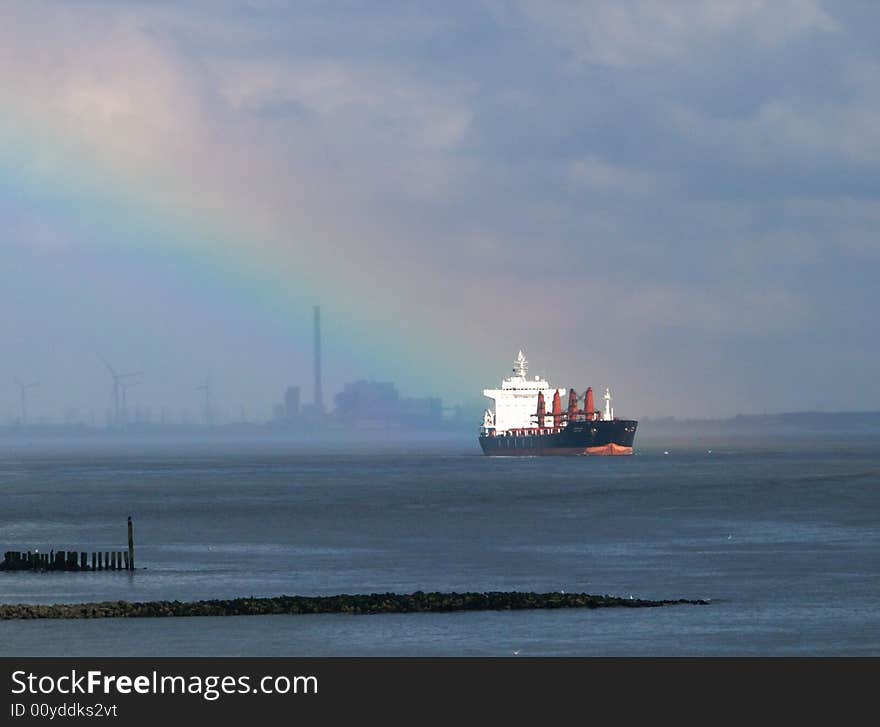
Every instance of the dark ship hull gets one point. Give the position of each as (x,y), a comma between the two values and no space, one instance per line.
(613,437)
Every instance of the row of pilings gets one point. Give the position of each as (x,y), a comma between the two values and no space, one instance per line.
(67,560)
(70,560)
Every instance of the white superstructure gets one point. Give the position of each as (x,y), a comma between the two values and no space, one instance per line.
(517,400)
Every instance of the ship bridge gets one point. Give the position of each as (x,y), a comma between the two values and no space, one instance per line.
(517,399)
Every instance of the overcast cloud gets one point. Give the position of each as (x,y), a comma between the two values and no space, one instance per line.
(679,200)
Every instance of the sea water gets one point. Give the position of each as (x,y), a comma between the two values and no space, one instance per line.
(783,537)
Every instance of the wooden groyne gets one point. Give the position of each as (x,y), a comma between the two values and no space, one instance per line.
(60,560)
(373,603)
(70,560)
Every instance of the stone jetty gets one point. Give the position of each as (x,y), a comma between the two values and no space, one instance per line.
(373,603)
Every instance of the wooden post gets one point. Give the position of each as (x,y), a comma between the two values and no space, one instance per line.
(94,560)
(106,560)
(127,562)
(83,561)
(100,560)
(130,565)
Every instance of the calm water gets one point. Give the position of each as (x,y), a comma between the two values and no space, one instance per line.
(784,540)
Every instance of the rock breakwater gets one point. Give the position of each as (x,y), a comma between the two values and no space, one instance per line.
(373,603)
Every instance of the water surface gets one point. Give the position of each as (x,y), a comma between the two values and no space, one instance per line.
(784,540)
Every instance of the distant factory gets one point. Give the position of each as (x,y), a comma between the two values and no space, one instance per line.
(378,405)
(360,405)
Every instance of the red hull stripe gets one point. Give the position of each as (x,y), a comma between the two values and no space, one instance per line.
(610,450)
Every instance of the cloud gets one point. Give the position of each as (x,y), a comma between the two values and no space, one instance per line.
(630,33)
(783,130)
(642,174)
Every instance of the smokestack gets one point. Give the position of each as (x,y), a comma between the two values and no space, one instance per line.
(319,392)
(589,407)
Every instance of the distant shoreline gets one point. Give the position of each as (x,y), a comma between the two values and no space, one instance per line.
(361,604)
(449,433)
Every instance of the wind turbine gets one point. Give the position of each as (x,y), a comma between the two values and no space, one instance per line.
(126,384)
(119,385)
(209,413)
(22,393)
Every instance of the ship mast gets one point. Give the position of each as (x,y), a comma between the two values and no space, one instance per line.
(521,366)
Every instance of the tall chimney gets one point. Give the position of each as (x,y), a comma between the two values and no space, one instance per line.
(319,392)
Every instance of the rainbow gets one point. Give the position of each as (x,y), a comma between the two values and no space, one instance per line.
(206,233)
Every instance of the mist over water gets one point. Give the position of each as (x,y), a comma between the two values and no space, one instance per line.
(781,536)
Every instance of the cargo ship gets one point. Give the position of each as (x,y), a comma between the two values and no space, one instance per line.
(522,423)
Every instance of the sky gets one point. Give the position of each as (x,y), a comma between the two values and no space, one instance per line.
(675,200)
